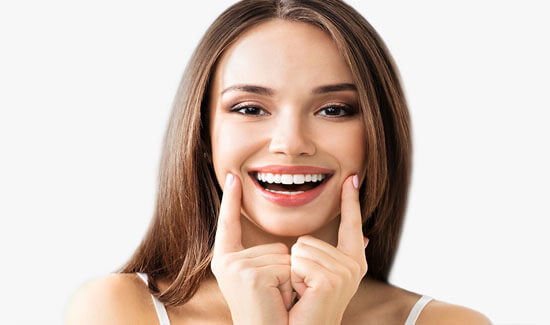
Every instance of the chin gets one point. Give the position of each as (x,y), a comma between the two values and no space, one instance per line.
(289,224)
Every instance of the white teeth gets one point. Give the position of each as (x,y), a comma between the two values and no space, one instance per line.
(317,177)
(284,192)
(288,179)
(298,179)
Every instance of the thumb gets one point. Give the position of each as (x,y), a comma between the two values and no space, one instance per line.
(297,278)
(286,293)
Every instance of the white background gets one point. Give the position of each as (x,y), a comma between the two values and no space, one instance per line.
(85,94)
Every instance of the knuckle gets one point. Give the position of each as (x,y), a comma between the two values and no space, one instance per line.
(356,271)
(296,247)
(237,266)
(224,263)
(280,248)
(303,239)
(252,276)
(326,278)
(346,273)
(333,282)
(226,260)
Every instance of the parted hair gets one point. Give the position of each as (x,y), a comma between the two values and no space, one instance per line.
(178,243)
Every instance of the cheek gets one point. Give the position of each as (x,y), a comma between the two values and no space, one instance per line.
(231,146)
(346,143)
(356,147)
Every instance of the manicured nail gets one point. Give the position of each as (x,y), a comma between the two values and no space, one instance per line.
(366,241)
(229,179)
(355,181)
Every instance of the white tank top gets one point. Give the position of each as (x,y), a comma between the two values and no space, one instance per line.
(159,306)
(163,316)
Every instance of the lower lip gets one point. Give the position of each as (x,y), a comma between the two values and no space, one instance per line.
(291,200)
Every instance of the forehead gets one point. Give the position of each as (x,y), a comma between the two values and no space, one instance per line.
(281,54)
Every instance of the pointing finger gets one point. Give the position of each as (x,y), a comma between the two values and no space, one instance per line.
(228,233)
(350,233)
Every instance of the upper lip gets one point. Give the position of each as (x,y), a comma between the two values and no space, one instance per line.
(281,169)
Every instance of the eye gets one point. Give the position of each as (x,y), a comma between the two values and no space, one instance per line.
(337,111)
(249,110)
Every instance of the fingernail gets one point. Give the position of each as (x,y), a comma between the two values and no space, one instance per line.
(355,181)
(229,179)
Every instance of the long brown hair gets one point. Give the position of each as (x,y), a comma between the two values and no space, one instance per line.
(178,244)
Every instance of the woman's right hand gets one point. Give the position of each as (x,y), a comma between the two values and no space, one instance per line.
(254,281)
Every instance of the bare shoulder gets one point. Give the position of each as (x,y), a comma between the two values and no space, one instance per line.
(439,312)
(384,303)
(111,299)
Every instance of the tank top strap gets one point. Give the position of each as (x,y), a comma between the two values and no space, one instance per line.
(159,306)
(417,308)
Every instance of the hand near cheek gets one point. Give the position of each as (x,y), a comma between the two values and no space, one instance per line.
(255,282)
(327,277)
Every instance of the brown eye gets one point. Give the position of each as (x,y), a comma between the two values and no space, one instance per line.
(249,110)
(336,111)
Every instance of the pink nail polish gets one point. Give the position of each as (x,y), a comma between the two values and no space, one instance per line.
(229,179)
(355,181)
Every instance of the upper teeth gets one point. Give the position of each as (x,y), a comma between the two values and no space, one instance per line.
(288,178)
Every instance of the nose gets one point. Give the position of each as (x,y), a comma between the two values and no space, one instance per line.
(291,137)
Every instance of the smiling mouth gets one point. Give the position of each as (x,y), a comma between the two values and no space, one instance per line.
(289,183)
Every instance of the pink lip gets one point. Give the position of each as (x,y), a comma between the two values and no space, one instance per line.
(290,200)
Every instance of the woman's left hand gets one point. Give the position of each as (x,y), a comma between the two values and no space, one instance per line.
(327,277)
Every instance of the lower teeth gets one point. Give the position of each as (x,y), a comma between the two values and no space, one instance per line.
(284,192)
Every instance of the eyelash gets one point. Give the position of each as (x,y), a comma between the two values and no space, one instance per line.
(349,110)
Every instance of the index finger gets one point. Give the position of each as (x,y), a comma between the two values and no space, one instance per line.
(228,232)
(350,233)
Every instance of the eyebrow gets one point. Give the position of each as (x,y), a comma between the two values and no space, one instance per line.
(270,92)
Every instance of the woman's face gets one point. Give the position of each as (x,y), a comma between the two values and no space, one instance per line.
(271,113)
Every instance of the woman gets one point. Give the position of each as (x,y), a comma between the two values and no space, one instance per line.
(294,111)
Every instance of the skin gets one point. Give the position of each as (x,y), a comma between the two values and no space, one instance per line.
(295,127)
(257,282)
(262,251)
(292,126)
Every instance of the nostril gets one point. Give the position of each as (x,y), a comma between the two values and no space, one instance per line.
(292,145)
